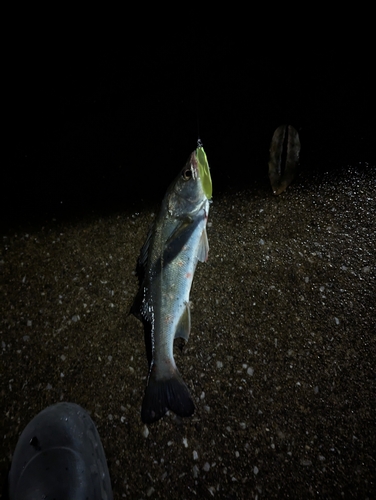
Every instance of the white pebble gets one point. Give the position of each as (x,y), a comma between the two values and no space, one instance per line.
(195,455)
(336,320)
(206,467)
(250,371)
(255,470)
(219,364)
(145,431)
(185,442)
(150,491)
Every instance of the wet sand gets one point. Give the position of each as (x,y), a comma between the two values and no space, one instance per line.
(280,361)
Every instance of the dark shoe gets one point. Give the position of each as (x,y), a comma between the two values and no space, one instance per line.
(59,456)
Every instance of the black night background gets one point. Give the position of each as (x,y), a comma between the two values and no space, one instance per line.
(95,126)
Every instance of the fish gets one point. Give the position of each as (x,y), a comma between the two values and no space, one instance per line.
(284,158)
(176,241)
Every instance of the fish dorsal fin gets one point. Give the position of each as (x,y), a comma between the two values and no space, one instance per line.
(139,308)
(184,326)
(144,252)
(203,249)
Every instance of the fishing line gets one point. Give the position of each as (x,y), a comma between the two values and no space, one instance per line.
(199,142)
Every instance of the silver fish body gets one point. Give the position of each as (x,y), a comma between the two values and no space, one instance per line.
(166,266)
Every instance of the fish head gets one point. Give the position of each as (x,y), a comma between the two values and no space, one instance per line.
(193,187)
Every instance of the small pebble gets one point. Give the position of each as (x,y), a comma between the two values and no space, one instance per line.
(150,491)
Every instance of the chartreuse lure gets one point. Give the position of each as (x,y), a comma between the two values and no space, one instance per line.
(204,171)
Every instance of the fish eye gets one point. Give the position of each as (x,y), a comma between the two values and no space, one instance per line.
(187,174)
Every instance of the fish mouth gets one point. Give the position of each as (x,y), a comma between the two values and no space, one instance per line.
(194,166)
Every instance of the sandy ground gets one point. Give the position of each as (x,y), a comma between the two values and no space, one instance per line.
(280,361)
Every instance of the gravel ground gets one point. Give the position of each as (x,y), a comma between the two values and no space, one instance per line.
(280,361)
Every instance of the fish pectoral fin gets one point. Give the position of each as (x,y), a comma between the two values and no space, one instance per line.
(177,239)
(166,394)
(181,233)
(184,326)
(203,249)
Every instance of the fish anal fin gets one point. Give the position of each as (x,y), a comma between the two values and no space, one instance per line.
(166,394)
(184,326)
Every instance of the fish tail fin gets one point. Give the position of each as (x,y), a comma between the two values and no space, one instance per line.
(166,394)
